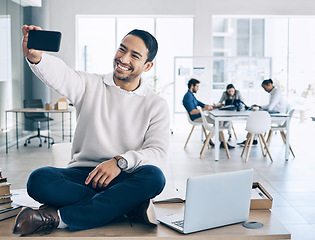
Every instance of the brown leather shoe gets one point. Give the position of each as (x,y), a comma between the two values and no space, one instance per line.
(36,220)
(145,213)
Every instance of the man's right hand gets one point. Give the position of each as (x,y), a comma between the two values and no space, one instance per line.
(34,56)
(207,107)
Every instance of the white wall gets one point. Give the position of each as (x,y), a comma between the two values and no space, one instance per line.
(11,92)
(63,12)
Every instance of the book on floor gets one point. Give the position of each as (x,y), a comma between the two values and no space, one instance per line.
(2,180)
(5,198)
(10,212)
(5,205)
(4,188)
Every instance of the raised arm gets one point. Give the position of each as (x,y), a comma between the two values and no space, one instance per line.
(34,56)
(53,71)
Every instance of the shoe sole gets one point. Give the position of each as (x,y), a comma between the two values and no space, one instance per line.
(151,217)
(243,145)
(229,147)
(24,209)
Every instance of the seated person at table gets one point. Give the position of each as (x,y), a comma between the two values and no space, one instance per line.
(230,94)
(277,103)
(190,103)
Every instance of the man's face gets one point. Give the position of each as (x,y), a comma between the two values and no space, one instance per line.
(267,87)
(130,59)
(231,91)
(195,88)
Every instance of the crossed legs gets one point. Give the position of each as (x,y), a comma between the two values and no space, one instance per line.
(83,207)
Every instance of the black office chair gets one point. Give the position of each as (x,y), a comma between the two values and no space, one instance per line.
(36,117)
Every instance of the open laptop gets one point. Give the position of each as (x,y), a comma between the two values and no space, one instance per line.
(229,105)
(229,102)
(213,201)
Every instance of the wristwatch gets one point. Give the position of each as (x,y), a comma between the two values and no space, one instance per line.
(121,163)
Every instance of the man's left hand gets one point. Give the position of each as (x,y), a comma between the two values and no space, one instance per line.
(103,174)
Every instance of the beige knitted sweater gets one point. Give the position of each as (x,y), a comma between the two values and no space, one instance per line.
(110,120)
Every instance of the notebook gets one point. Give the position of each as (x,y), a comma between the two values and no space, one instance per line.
(213,201)
(228,107)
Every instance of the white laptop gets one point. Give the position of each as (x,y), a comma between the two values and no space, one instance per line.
(213,201)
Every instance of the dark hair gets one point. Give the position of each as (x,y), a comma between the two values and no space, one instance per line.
(193,82)
(149,41)
(266,82)
(230,86)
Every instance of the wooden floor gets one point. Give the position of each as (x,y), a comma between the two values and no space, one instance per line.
(272,229)
(291,183)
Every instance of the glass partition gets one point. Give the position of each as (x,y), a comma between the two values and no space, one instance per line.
(214,73)
(288,40)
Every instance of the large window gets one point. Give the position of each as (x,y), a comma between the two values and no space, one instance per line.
(98,37)
(289,41)
(5,43)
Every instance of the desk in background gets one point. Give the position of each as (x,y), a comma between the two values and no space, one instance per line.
(32,110)
(225,115)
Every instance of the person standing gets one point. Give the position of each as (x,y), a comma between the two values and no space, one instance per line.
(121,138)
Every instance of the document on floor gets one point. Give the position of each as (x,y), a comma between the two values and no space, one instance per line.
(169,195)
(20,197)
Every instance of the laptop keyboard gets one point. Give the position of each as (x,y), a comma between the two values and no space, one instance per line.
(179,223)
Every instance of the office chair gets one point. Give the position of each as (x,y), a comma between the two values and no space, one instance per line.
(36,117)
(258,122)
(210,128)
(193,127)
(281,128)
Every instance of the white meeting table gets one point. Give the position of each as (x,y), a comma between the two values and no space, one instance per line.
(226,115)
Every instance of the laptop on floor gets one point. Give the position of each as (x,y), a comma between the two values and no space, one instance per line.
(213,201)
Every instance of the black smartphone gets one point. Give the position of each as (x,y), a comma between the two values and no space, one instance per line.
(44,40)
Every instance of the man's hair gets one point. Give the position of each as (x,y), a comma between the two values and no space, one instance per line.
(193,82)
(230,86)
(266,82)
(149,41)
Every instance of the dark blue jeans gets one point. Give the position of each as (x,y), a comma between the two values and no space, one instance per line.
(83,207)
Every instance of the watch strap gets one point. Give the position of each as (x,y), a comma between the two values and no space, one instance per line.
(118,157)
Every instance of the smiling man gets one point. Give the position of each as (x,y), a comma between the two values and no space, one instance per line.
(121,138)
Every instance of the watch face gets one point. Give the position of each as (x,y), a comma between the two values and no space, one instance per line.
(122,163)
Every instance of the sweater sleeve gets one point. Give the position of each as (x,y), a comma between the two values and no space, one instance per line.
(223,97)
(156,141)
(239,95)
(57,75)
(275,98)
